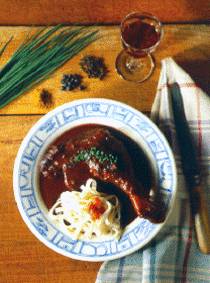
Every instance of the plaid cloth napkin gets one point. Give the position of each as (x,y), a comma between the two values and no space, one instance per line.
(173,256)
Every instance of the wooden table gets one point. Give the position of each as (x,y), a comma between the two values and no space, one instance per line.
(22,257)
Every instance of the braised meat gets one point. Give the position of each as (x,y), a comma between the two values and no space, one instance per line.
(102,156)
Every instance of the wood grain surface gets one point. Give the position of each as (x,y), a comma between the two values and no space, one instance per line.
(189,44)
(29,12)
(22,257)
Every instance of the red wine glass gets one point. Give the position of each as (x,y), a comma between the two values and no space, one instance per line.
(141,33)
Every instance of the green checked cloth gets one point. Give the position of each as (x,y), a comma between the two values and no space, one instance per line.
(173,256)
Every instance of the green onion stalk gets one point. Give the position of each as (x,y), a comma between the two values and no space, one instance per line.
(39,56)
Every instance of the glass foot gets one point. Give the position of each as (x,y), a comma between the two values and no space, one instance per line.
(134,69)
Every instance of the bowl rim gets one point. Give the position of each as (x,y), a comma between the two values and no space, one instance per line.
(16,175)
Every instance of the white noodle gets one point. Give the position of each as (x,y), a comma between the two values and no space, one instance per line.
(72,214)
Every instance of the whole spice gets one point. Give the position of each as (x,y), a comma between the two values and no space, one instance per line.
(38,56)
(72,81)
(94,66)
(46,98)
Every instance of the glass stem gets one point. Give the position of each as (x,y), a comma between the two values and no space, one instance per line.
(133,63)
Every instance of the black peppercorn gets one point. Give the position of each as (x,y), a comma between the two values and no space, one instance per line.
(82,87)
(71,81)
(94,66)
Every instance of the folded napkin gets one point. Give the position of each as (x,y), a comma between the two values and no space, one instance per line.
(173,256)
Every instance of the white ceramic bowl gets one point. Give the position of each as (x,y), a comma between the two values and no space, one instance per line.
(97,111)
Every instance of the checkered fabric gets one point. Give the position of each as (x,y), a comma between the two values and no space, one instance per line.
(173,256)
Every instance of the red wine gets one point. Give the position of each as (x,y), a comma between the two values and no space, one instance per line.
(139,35)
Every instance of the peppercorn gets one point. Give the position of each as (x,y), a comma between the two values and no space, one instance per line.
(82,87)
(94,66)
(71,82)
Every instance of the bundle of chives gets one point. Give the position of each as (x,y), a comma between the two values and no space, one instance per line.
(38,56)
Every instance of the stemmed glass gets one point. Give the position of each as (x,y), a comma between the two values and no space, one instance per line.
(141,33)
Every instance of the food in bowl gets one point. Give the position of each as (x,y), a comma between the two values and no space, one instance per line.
(88,213)
(95,180)
(150,154)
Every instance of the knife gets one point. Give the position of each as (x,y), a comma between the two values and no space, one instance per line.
(191,171)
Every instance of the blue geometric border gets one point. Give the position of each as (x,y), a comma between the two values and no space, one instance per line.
(81,110)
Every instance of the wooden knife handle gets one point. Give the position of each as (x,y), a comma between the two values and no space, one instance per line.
(201,220)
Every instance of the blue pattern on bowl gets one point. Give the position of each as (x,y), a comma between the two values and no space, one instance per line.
(136,236)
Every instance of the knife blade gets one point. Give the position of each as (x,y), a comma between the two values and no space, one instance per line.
(191,171)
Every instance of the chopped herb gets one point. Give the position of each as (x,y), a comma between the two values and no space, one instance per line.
(93,152)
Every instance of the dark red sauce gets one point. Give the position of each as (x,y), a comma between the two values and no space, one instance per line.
(52,181)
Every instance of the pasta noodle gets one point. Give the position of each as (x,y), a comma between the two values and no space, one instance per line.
(87,214)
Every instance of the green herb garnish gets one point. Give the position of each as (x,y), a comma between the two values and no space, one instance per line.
(38,56)
(93,152)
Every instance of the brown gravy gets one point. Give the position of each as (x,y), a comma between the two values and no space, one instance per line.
(51,188)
